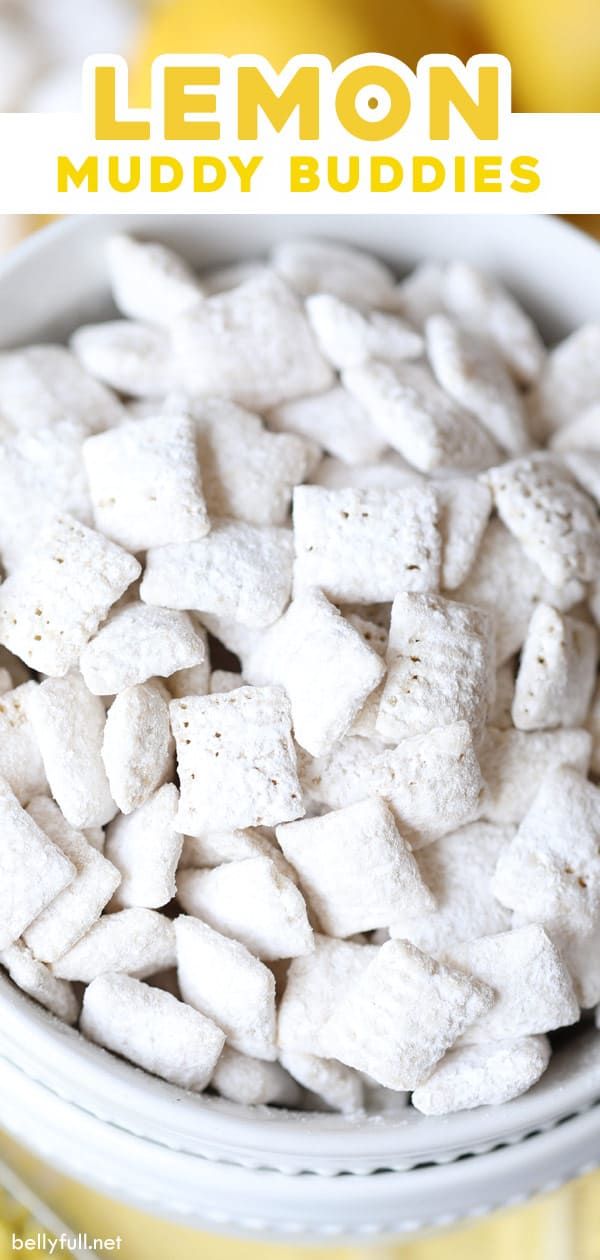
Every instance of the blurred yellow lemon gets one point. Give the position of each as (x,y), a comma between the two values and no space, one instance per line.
(336,28)
(554,47)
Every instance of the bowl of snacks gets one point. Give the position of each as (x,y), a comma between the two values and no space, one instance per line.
(299,725)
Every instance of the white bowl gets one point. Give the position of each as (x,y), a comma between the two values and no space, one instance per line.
(127,1131)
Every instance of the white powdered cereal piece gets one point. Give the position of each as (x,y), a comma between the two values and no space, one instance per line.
(580,951)
(325,665)
(35,979)
(458,870)
(420,294)
(365,546)
(136,942)
(554,521)
(33,870)
(322,266)
(236,760)
(145,483)
(393,473)
(402,1015)
(313,989)
(551,870)
(418,419)
(580,435)
(55,600)
(569,383)
(431,782)
(557,672)
(137,748)
(335,420)
(505,582)
(133,358)
(464,510)
(331,855)
(80,904)
(21,764)
(252,1082)
(217,847)
(500,714)
(340,1087)
(441,667)
(252,344)
(152,1029)
(239,571)
(514,763)
(485,308)
(222,979)
(42,386)
(69,727)
(474,375)
(148,280)
(348,338)
(248,473)
(533,989)
(41,473)
(220,680)
(482,1075)
(145,847)
(138,642)
(251,902)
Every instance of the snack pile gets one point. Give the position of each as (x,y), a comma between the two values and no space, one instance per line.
(299,720)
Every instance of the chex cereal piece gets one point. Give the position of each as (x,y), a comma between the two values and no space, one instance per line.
(41,473)
(244,1079)
(474,375)
(325,665)
(21,764)
(508,584)
(431,782)
(331,855)
(37,980)
(55,600)
(441,666)
(418,419)
(239,571)
(148,280)
(133,358)
(236,760)
(145,483)
(581,435)
(392,474)
(334,419)
(365,546)
(221,680)
(482,1075)
(347,337)
(42,386)
(569,383)
(313,988)
(419,294)
(33,870)
(73,912)
(145,847)
(340,1087)
(557,672)
(252,344)
(137,748)
(322,266)
(464,510)
(514,763)
(484,307)
(555,522)
(532,987)
(500,713)
(223,980)
(247,472)
(458,870)
(68,722)
(217,847)
(251,902)
(551,870)
(138,642)
(376,637)
(137,942)
(152,1029)
(402,1015)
